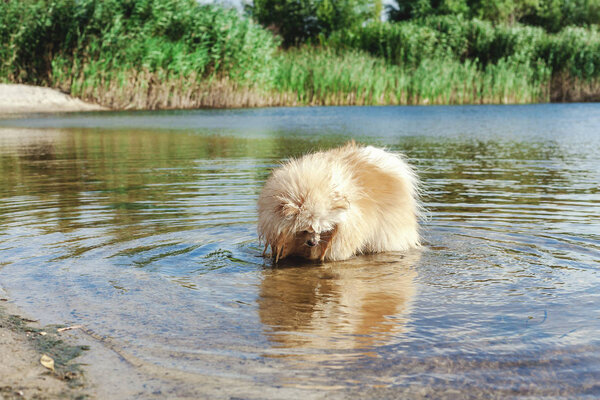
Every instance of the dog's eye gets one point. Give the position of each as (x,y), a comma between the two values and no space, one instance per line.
(305,232)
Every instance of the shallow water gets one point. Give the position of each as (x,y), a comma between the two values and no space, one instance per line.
(141,227)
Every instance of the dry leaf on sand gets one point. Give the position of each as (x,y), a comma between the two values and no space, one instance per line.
(47,362)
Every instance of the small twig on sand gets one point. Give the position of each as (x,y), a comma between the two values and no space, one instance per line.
(68,328)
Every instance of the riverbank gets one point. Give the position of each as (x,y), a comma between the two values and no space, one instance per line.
(17,98)
(23,343)
(179,54)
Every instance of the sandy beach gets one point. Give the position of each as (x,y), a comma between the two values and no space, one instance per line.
(17,98)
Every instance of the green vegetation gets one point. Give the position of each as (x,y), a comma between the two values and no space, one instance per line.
(135,53)
(326,77)
(298,21)
(552,15)
(564,66)
(180,54)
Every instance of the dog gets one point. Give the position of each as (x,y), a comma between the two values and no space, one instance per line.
(332,205)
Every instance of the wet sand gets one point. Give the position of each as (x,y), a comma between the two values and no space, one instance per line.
(22,375)
(17,98)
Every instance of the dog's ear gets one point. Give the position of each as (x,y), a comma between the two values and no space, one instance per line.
(339,202)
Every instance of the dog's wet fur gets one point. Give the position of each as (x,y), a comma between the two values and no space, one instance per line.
(332,205)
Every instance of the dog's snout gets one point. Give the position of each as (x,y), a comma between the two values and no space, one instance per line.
(313,239)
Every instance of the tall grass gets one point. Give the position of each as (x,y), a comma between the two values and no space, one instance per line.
(150,54)
(136,53)
(574,49)
(319,76)
(571,56)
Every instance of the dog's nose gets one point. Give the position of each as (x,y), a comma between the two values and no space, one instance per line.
(311,243)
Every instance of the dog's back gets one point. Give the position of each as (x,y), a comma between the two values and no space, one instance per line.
(383,214)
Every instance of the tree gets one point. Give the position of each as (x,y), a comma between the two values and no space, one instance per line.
(506,11)
(553,15)
(408,9)
(298,21)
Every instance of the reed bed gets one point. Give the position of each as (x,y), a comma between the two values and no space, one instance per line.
(139,53)
(323,76)
(161,54)
(154,91)
(571,57)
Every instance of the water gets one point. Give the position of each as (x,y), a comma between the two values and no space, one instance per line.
(141,227)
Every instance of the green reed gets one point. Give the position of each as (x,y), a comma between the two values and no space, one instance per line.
(136,53)
(574,49)
(571,56)
(325,76)
(151,54)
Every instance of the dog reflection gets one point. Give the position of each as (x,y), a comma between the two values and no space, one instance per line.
(354,304)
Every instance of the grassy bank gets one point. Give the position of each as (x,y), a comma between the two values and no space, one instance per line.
(151,54)
(137,54)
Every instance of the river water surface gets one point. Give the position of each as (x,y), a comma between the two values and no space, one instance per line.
(141,227)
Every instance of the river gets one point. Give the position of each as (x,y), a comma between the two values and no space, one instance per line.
(141,226)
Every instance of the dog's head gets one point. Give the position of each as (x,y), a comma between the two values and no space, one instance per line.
(308,223)
(302,204)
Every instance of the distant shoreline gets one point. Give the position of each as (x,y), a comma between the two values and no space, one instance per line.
(24,99)
(18,98)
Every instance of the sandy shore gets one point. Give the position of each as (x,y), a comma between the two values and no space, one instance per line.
(16,98)
(22,344)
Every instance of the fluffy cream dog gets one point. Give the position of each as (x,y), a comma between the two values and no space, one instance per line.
(334,204)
